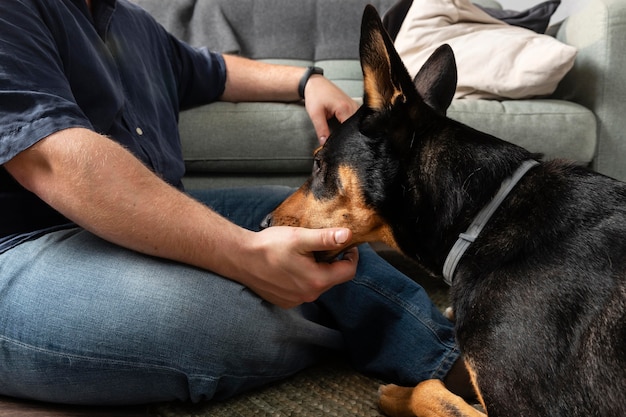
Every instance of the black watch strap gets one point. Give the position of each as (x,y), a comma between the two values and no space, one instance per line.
(305,78)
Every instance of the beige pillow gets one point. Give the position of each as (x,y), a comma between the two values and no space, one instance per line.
(494,59)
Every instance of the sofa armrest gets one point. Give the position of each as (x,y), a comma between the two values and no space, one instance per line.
(597,79)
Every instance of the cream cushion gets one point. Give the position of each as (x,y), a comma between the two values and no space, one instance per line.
(494,59)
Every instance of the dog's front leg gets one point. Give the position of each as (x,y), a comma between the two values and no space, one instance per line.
(428,399)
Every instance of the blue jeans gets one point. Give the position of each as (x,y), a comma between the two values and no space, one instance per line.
(86,322)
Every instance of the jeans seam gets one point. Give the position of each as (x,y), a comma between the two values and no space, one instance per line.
(446,363)
(93,359)
(139,365)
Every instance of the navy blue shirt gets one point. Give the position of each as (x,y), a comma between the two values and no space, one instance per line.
(118,73)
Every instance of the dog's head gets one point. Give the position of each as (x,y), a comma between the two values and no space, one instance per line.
(359,172)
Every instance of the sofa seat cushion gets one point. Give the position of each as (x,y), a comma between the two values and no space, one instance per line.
(267,138)
(554,128)
(247,137)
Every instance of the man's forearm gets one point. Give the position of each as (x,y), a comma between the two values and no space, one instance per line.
(248,80)
(103,188)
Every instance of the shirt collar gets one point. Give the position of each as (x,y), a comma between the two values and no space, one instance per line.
(102,12)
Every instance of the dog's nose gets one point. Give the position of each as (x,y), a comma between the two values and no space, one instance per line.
(267,222)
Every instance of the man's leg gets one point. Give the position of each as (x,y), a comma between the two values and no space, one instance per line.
(84,321)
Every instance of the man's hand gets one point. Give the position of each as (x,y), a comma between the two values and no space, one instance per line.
(281,266)
(324,100)
(249,80)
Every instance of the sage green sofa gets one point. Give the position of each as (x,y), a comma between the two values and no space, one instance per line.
(227,144)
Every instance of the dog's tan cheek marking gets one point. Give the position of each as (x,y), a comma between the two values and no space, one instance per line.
(302,209)
(319,213)
(386,236)
(289,212)
(313,213)
(366,225)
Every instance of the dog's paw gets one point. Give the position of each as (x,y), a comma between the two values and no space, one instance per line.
(395,401)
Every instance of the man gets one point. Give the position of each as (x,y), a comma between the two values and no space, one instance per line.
(116,286)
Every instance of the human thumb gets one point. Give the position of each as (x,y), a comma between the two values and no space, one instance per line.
(342,236)
(326,239)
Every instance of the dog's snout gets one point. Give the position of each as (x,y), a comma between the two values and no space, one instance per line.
(267,221)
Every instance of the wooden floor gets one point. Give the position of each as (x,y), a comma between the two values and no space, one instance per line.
(17,408)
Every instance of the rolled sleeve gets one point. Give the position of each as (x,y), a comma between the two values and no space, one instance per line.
(204,75)
(36,99)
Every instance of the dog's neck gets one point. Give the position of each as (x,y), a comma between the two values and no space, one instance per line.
(481,219)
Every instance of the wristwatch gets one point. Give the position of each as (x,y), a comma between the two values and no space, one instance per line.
(305,78)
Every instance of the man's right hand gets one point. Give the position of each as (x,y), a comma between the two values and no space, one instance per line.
(281,266)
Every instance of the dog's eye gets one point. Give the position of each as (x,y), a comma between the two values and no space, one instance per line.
(317,165)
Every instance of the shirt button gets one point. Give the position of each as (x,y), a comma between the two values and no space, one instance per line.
(139,131)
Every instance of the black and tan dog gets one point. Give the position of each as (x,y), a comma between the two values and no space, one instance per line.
(539,281)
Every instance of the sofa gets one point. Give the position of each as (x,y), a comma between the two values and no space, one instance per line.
(249,144)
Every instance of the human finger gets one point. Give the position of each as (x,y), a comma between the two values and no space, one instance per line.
(320,125)
(320,240)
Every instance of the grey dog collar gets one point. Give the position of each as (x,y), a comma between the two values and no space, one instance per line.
(481,219)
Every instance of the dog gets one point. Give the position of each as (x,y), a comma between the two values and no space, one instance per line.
(535,250)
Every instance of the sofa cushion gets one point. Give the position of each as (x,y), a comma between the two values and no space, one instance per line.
(554,128)
(269,138)
(247,137)
(537,18)
(260,29)
(494,60)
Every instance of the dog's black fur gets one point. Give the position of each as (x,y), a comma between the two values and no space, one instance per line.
(540,296)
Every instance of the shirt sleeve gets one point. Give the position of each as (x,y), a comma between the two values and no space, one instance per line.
(35,96)
(202,74)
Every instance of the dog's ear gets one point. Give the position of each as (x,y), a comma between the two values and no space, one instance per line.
(436,80)
(386,80)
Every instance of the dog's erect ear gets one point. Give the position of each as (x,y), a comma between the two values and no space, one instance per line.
(386,80)
(436,80)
